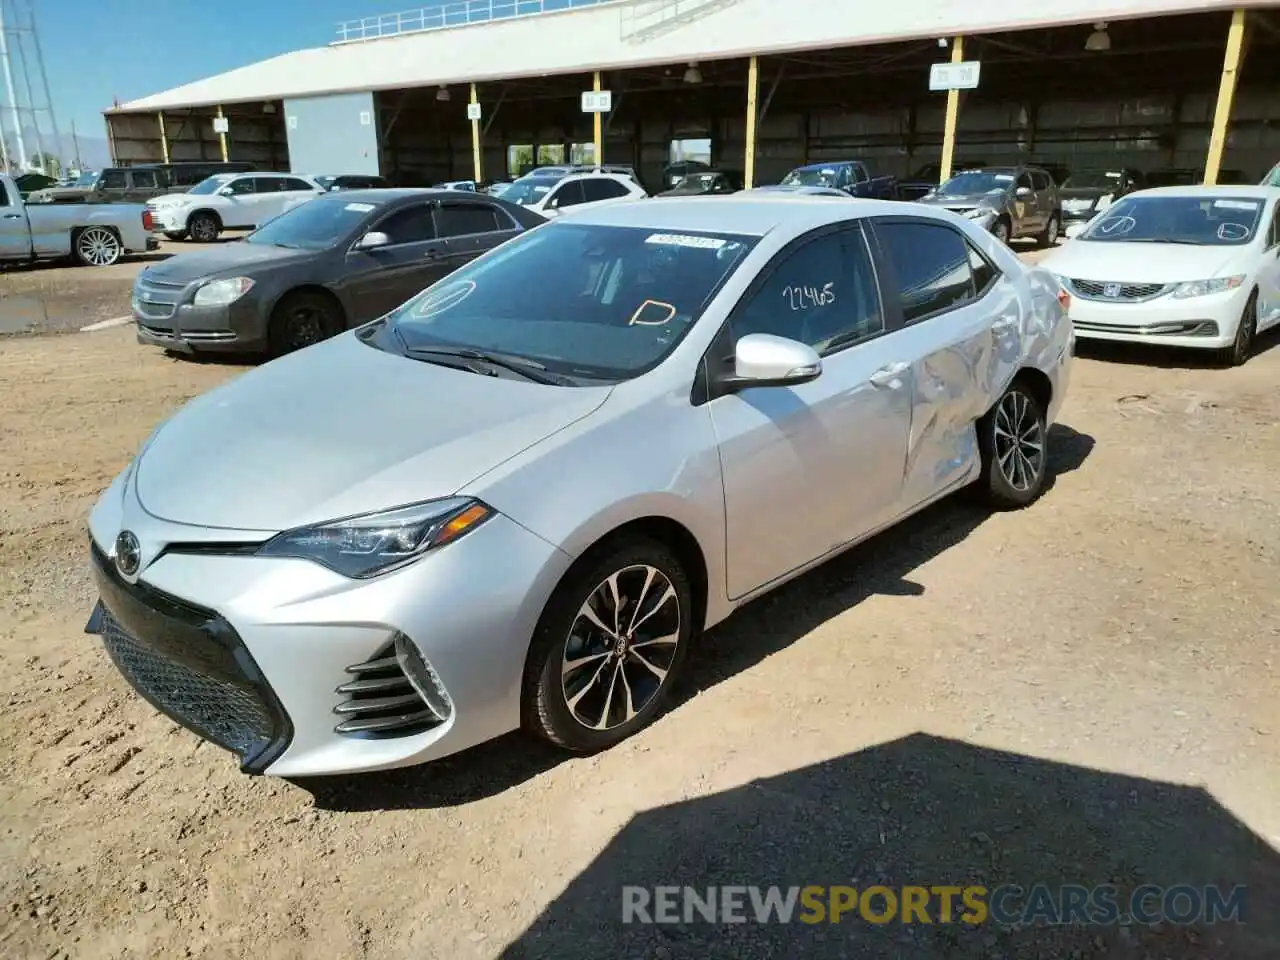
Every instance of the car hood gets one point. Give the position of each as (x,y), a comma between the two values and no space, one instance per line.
(965,202)
(341,429)
(170,200)
(1138,262)
(224,258)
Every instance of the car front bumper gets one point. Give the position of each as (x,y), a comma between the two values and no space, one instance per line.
(169,219)
(1207,322)
(239,327)
(250,652)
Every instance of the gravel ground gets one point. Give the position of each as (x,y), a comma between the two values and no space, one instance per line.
(1082,692)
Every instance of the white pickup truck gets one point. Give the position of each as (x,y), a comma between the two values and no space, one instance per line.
(92,234)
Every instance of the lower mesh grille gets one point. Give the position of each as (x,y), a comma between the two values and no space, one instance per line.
(222,712)
(381,701)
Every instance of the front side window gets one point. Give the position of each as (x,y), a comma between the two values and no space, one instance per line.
(567,195)
(408,225)
(245,186)
(816,177)
(1040,181)
(113,180)
(1191,220)
(976,183)
(209,186)
(606,303)
(931,263)
(529,190)
(602,188)
(822,293)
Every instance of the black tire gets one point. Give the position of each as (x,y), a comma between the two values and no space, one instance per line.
(96,246)
(204,227)
(1001,230)
(301,319)
(1013,476)
(1241,348)
(546,704)
(175,234)
(1049,235)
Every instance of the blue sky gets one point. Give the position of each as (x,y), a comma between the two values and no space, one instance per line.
(96,50)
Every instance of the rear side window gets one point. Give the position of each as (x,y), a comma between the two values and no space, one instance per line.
(4,196)
(465,219)
(144,179)
(292,183)
(934,266)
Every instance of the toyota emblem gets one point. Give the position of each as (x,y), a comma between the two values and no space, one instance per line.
(128,553)
(1111,290)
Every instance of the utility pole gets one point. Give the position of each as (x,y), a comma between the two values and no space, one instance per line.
(41,156)
(44,79)
(6,71)
(75,145)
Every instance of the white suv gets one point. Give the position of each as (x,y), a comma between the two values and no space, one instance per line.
(229,201)
(553,195)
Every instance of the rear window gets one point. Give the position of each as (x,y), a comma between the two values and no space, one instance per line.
(583,300)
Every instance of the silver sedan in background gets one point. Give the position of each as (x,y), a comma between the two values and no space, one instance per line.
(516,499)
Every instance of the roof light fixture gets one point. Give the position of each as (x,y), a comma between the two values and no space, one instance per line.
(1099,40)
(442,93)
(693,74)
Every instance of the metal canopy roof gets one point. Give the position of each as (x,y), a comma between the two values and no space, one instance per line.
(605,37)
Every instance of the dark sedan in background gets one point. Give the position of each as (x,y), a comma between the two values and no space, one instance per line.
(334,262)
(706,182)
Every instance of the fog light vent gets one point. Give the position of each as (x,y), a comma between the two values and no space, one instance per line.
(395,694)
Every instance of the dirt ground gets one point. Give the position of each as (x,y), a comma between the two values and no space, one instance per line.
(1083,692)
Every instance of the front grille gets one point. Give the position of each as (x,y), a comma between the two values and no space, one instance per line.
(214,709)
(191,665)
(1118,292)
(153,309)
(381,701)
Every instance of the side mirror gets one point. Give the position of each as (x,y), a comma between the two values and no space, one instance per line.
(1023,193)
(224,192)
(765,360)
(372,240)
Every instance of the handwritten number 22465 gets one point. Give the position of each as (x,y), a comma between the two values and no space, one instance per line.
(805,298)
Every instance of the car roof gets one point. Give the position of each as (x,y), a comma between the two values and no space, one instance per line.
(392,194)
(828,163)
(738,213)
(1218,190)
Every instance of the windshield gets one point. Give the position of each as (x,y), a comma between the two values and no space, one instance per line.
(211,185)
(86,180)
(812,177)
(1272,179)
(530,190)
(1093,180)
(314,225)
(605,303)
(697,181)
(976,182)
(1203,221)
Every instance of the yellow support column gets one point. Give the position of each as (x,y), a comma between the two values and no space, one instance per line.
(953,116)
(753,90)
(222,137)
(164,139)
(597,120)
(1231,64)
(475,138)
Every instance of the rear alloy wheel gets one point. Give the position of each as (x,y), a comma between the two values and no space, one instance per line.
(204,228)
(1013,441)
(1241,348)
(302,319)
(1000,230)
(608,648)
(97,247)
(1050,235)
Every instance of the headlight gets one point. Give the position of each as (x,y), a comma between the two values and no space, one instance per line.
(375,543)
(218,293)
(1201,288)
(978,213)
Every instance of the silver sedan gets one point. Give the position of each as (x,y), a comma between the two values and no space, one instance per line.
(516,499)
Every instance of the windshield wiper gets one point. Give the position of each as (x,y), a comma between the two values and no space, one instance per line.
(529,369)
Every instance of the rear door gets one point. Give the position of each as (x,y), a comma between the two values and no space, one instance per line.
(468,228)
(598,191)
(15,236)
(381,279)
(962,318)
(143,185)
(1025,215)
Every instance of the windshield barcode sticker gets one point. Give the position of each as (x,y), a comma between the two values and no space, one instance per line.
(1250,205)
(683,240)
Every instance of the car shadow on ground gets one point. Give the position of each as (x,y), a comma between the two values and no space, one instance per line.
(880,566)
(926,811)
(25,266)
(1166,358)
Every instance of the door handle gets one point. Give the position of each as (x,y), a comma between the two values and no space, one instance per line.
(432,255)
(13,216)
(888,376)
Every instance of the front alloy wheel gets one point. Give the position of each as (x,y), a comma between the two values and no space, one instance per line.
(608,648)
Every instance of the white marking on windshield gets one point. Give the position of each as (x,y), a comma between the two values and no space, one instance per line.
(1250,205)
(360,207)
(681,240)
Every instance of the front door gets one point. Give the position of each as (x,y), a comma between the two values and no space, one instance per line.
(383,278)
(143,185)
(1024,207)
(112,187)
(1269,276)
(15,236)
(241,209)
(811,467)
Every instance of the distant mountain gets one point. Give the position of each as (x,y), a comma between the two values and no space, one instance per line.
(95,152)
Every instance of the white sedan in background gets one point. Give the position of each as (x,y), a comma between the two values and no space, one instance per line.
(1182,266)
